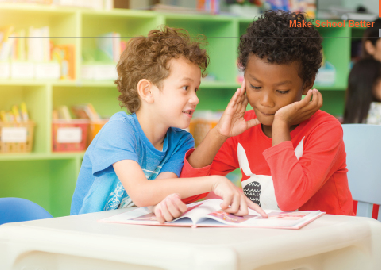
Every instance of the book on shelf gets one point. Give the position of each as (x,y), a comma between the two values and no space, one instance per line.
(33,55)
(63,113)
(208,213)
(85,111)
(15,115)
(110,47)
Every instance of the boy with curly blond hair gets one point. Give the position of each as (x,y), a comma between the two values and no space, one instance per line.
(158,78)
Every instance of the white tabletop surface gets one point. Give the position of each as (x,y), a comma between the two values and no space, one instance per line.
(196,248)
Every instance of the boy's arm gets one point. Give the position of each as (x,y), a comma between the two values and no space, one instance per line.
(293,182)
(146,193)
(232,123)
(207,149)
(293,114)
(296,181)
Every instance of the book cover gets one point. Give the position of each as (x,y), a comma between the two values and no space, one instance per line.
(208,213)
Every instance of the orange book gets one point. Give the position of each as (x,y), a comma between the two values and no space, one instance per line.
(71,60)
(69,57)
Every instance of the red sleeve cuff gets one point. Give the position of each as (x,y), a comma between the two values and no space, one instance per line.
(189,171)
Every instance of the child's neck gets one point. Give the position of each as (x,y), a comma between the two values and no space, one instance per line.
(154,131)
(268,130)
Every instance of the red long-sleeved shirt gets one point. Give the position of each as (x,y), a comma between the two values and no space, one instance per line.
(307,173)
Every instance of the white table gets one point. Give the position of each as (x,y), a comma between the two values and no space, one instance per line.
(80,242)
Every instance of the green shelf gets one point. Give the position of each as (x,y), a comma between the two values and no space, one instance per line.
(36,157)
(49,178)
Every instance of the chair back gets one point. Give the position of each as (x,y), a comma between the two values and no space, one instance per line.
(18,210)
(363,149)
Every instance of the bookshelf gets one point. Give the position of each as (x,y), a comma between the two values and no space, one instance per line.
(49,178)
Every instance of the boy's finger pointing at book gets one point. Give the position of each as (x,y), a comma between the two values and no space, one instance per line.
(256,207)
(165,211)
(159,215)
(243,209)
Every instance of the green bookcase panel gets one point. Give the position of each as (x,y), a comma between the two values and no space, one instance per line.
(336,48)
(62,24)
(214,99)
(49,183)
(127,24)
(64,175)
(243,25)
(36,98)
(221,43)
(334,102)
(104,99)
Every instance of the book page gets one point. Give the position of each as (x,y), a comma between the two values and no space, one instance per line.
(143,216)
(140,215)
(276,219)
(209,213)
(197,211)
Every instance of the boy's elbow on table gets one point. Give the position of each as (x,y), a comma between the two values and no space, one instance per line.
(140,199)
(287,204)
(141,202)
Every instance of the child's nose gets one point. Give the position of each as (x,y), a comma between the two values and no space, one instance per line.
(267,100)
(194,99)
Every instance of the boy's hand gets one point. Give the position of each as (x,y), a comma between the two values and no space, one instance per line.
(299,111)
(234,200)
(170,208)
(232,122)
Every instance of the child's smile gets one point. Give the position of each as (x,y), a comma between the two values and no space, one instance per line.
(270,87)
(189,113)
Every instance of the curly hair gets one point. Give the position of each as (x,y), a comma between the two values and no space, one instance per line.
(271,37)
(148,58)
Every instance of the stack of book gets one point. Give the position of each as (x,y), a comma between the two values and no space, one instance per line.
(15,115)
(107,54)
(33,55)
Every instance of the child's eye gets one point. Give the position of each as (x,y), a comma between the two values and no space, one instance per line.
(185,87)
(255,87)
(283,92)
(196,90)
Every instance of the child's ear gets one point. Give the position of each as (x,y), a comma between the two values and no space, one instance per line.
(307,86)
(369,48)
(144,90)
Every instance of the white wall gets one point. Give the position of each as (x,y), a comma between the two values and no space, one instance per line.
(371,5)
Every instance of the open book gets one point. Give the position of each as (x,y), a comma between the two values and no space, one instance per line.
(209,213)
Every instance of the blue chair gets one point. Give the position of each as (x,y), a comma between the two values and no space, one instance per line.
(17,210)
(363,148)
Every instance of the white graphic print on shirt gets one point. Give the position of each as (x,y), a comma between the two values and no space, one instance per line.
(260,188)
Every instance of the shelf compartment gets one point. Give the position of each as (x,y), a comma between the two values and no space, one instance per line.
(104,99)
(221,37)
(127,24)
(36,98)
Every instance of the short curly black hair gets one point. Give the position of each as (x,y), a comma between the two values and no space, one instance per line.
(271,37)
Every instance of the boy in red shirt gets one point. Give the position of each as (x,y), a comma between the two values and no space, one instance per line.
(291,155)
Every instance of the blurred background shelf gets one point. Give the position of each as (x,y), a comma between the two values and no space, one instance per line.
(49,178)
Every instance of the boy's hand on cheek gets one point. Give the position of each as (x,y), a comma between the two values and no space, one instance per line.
(232,122)
(299,111)
(170,208)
